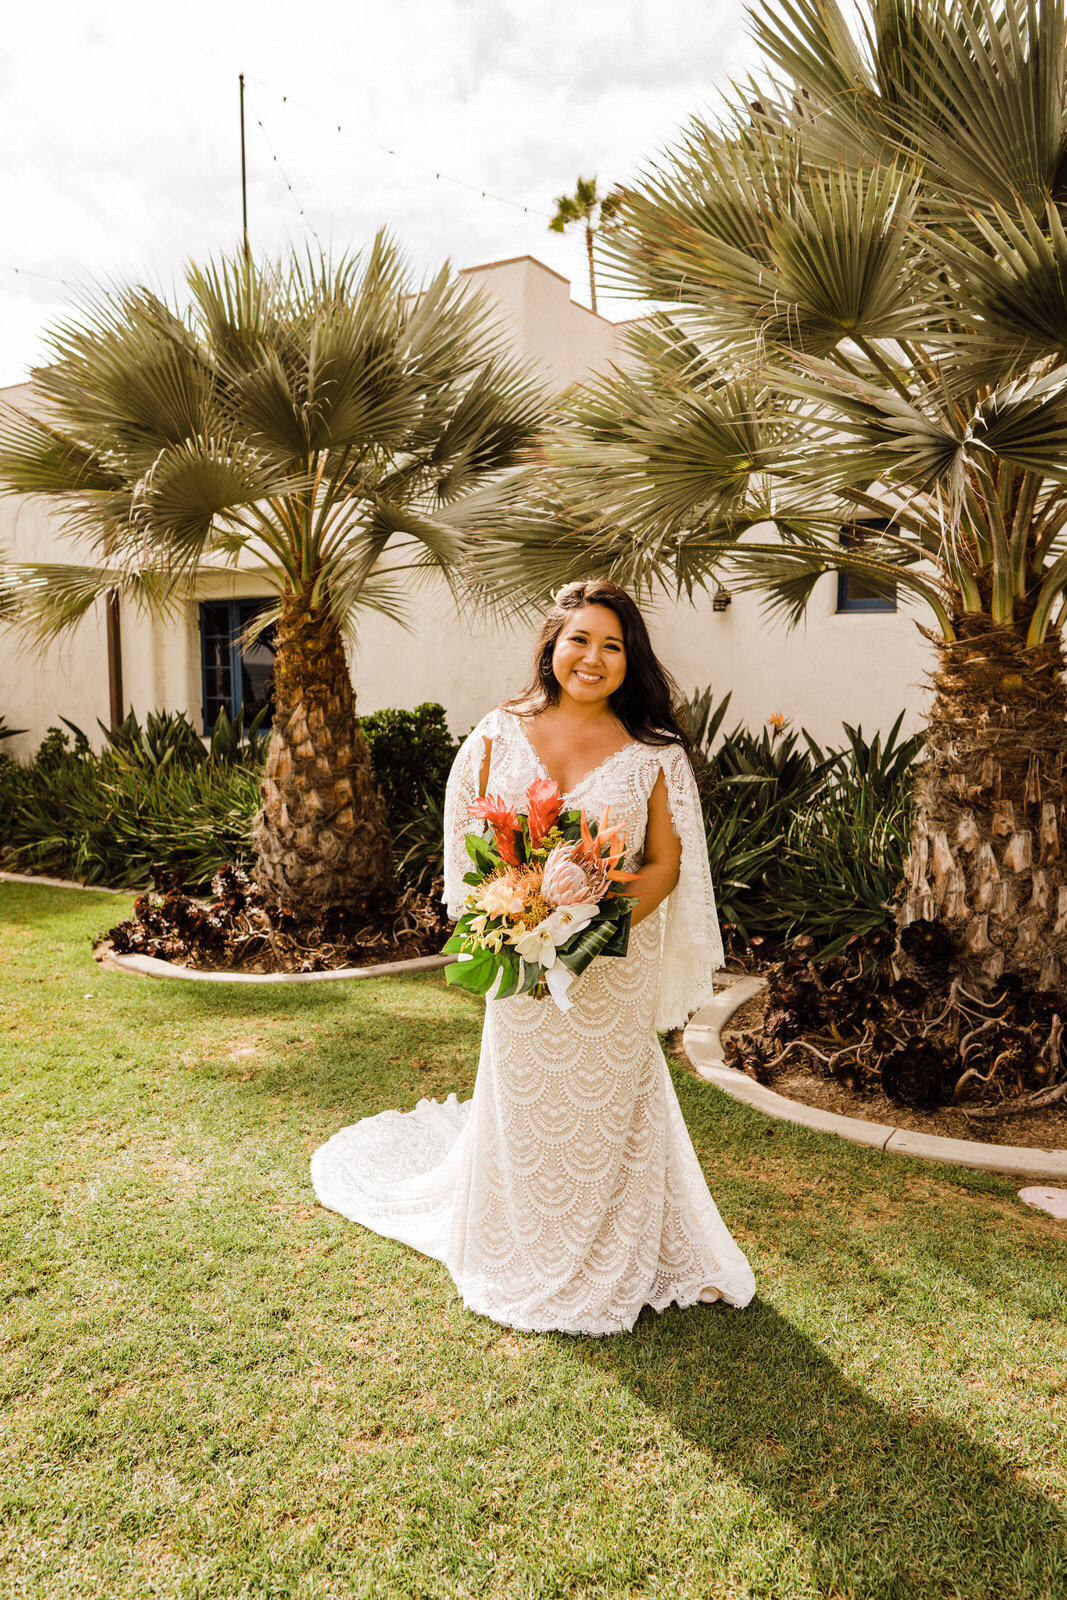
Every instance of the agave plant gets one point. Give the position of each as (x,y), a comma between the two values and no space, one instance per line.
(329,423)
(862,367)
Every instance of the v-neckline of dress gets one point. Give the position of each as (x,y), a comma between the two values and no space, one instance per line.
(600,766)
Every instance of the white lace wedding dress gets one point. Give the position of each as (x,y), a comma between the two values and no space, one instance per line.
(566,1195)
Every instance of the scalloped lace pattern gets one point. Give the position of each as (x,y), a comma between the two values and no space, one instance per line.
(567,1194)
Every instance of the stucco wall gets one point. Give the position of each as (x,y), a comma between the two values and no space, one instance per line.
(861,667)
(564,340)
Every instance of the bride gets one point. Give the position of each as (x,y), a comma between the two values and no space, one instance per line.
(566,1195)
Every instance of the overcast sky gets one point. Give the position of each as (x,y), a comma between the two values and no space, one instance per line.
(120,124)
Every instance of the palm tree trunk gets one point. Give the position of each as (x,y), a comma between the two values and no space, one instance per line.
(986,854)
(321,838)
(592,273)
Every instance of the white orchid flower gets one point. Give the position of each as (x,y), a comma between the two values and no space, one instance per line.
(537,948)
(566,921)
(541,943)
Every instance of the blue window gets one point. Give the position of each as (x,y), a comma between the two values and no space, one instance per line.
(235,674)
(852,593)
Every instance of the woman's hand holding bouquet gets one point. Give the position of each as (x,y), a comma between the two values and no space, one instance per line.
(544,898)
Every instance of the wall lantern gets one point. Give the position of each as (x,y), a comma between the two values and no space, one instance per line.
(721,599)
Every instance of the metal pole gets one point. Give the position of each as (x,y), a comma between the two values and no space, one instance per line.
(114,658)
(244,175)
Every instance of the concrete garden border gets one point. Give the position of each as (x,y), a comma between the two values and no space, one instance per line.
(703,1045)
(152,967)
(62,883)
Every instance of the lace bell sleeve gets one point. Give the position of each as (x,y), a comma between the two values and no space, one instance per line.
(460,791)
(692,942)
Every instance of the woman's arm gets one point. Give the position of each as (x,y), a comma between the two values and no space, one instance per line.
(663,856)
(466,781)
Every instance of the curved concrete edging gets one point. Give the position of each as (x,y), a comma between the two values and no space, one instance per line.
(62,883)
(152,967)
(703,1045)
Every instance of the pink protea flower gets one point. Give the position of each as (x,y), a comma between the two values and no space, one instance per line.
(543,805)
(564,882)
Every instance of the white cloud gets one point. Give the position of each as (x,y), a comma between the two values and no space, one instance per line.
(126,128)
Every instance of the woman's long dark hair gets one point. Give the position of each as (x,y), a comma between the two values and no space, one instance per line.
(646,701)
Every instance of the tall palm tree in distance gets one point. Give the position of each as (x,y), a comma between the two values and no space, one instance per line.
(338,425)
(594,210)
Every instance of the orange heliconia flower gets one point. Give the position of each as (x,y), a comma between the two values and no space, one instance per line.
(604,852)
(543,805)
(504,822)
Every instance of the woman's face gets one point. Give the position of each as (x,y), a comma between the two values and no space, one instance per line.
(589,657)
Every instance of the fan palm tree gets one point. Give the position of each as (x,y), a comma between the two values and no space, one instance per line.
(594,210)
(337,425)
(862,366)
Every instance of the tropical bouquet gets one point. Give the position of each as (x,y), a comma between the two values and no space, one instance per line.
(544,898)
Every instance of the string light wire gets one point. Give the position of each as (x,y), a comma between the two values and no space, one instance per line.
(28,272)
(288,182)
(287,99)
(421,166)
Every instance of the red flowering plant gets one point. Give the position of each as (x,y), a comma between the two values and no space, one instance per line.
(545,898)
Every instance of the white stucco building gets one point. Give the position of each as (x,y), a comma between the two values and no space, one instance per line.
(842,664)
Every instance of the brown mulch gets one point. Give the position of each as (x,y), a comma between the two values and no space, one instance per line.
(240,931)
(1044,1130)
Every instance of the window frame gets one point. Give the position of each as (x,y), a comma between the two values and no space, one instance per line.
(853,533)
(234,658)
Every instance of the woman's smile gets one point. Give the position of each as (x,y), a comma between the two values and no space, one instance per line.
(589,657)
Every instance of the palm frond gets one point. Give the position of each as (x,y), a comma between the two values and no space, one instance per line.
(667,453)
(787,574)
(1011,275)
(1026,424)
(870,431)
(51,598)
(308,413)
(177,506)
(38,457)
(812,43)
(989,124)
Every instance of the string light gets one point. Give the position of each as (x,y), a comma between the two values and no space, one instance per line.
(288,184)
(421,166)
(28,272)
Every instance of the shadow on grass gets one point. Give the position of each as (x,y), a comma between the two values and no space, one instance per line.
(888,1503)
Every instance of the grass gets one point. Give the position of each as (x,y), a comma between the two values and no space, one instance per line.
(212,1387)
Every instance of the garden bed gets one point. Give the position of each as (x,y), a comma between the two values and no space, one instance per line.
(242,932)
(1043,1129)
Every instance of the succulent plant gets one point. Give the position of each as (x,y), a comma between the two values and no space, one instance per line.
(921,1073)
(929,947)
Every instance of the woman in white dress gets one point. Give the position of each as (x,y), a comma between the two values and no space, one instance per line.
(566,1195)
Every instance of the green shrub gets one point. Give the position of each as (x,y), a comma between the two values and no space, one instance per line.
(840,867)
(419,845)
(168,738)
(800,839)
(803,840)
(155,796)
(106,823)
(411,752)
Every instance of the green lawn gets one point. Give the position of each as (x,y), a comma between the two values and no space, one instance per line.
(213,1387)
